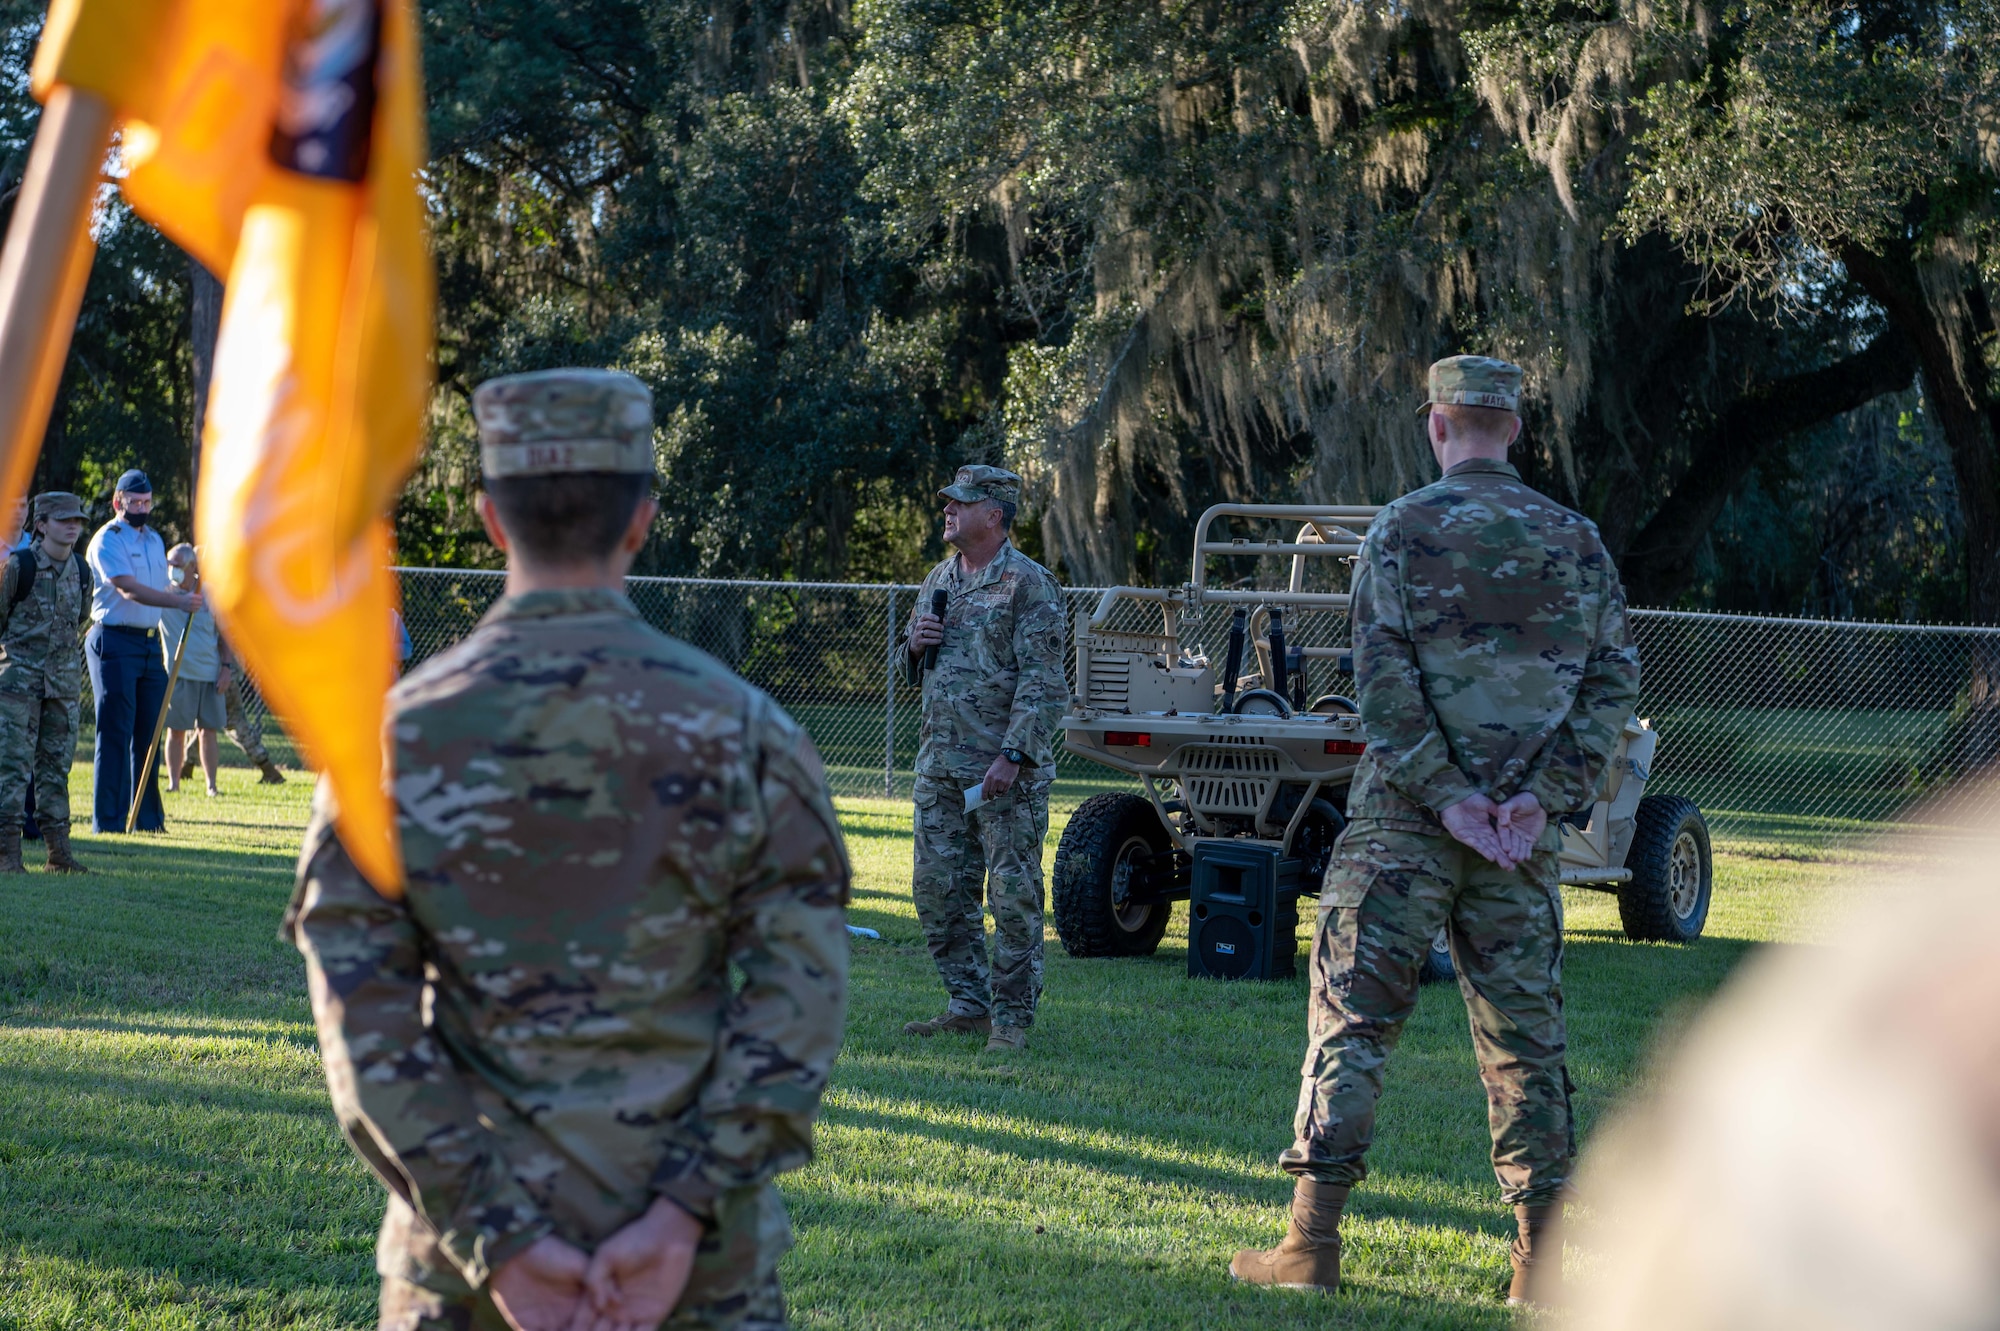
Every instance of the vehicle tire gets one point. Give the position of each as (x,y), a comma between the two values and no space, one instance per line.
(1317,836)
(1437,965)
(1105,834)
(1673,873)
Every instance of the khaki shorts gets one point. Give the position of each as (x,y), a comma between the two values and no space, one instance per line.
(197,705)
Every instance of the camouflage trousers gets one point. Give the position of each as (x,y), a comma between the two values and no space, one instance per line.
(992,856)
(37,744)
(1386,894)
(408,1307)
(734,1285)
(249,736)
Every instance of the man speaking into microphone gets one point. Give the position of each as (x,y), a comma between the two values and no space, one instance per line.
(991,669)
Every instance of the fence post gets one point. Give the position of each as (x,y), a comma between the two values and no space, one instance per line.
(889,703)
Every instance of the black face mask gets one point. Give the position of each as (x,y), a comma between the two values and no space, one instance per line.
(138,520)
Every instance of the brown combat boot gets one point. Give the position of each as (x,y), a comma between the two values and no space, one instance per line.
(950,1024)
(271,775)
(1308,1257)
(56,837)
(10,851)
(1537,1255)
(1007,1039)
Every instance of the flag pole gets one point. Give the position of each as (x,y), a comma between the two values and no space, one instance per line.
(43,271)
(151,777)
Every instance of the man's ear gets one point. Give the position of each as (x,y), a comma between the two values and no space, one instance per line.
(641,525)
(489,517)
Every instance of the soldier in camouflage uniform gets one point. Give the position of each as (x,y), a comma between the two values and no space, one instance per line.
(990,709)
(41,679)
(1496,670)
(539,1046)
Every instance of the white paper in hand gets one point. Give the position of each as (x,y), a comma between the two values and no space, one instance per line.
(975,796)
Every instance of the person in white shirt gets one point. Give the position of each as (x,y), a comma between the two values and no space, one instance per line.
(129,564)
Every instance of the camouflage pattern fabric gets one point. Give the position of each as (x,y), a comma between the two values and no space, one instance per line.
(41,642)
(994,853)
(999,682)
(733,1288)
(598,823)
(1491,650)
(407,1307)
(1387,893)
(41,678)
(1493,655)
(971,484)
(249,736)
(550,421)
(1474,381)
(37,745)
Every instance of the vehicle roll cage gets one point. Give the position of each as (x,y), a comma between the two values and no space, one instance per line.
(1326,531)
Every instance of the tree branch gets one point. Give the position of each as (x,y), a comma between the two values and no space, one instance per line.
(1659,563)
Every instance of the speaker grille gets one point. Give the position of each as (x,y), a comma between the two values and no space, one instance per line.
(1228,946)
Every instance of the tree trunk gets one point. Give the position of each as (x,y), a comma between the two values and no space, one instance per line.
(1659,564)
(205,308)
(1968,414)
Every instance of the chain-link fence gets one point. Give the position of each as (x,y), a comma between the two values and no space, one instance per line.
(1793,735)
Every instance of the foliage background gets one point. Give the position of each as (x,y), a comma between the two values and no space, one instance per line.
(1159,254)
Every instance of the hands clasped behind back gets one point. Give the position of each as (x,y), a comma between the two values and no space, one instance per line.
(1504,834)
(631,1283)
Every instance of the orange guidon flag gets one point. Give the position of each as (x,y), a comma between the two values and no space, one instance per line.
(278,141)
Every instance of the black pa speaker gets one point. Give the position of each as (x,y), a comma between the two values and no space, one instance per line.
(1243,912)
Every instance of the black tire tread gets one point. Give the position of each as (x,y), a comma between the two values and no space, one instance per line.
(1643,905)
(1082,905)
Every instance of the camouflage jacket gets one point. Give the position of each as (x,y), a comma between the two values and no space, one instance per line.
(41,643)
(598,821)
(1491,649)
(999,682)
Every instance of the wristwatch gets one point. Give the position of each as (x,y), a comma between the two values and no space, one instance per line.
(1015,756)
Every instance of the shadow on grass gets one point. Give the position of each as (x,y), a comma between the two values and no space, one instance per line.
(189,1086)
(928,1268)
(159,855)
(1032,1143)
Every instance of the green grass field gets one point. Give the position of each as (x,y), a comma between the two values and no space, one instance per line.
(167,1159)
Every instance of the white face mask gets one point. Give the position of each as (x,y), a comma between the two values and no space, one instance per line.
(177,575)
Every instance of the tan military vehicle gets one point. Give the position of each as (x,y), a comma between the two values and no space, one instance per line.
(1245,761)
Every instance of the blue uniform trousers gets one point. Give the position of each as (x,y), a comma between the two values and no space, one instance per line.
(130,681)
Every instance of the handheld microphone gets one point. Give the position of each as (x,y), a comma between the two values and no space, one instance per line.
(937,608)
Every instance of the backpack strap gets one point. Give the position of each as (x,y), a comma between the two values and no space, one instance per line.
(24,575)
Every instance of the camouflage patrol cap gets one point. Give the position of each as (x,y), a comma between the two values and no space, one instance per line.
(554,421)
(1474,381)
(978,482)
(58,504)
